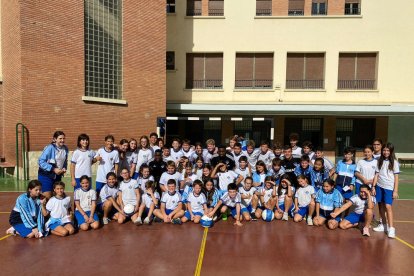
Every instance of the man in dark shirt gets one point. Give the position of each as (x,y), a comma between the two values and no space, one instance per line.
(157,166)
(289,163)
(223,157)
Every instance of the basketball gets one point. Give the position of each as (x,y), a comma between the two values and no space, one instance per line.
(129,209)
(206,221)
(268,215)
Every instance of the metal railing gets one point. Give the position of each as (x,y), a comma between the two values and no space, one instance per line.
(263,12)
(319,12)
(264,8)
(204,84)
(304,84)
(215,12)
(295,12)
(193,12)
(254,84)
(357,84)
(24,146)
(352,11)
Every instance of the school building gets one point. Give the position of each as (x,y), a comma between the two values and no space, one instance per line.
(338,72)
(92,66)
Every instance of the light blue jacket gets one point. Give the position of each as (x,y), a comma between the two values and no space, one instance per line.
(47,160)
(30,209)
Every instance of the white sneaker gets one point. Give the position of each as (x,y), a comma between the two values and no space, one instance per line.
(138,221)
(380,228)
(105,220)
(285,216)
(147,220)
(309,221)
(391,233)
(11,231)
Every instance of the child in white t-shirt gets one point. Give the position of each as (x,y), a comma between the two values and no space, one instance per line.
(128,194)
(85,202)
(304,200)
(150,199)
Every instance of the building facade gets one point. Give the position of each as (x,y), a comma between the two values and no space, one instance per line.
(95,67)
(336,72)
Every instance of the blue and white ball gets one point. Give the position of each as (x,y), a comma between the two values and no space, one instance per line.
(129,209)
(206,221)
(268,215)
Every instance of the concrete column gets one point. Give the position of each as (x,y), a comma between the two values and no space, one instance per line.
(204,7)
(329,133)
(381,128)
(308,8)
(227,130)
(279,129)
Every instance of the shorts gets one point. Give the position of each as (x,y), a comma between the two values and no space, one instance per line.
(247,209)
(327,215)
(55,225)
(355,218)
(112,212)
(81,220)
(233,211)
(290,211)
(303,211)
(383,195)
(168,211)
(99,186)
(47,182)
(22,230)
(347,195)
(188,216)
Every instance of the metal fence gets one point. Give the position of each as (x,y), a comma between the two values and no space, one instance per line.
(304,84)
(357,84)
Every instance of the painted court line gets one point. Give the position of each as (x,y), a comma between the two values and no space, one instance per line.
(404,221)
(201,254)
(4,212)
(404,242)
(5,237)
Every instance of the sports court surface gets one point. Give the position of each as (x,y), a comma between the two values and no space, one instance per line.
(257,248)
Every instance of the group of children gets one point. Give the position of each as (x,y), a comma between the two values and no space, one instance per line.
(151,182)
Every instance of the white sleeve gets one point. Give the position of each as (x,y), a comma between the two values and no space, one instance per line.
(75,156)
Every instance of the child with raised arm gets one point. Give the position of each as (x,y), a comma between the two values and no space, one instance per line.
(225,177)
(284,192)
(364,206)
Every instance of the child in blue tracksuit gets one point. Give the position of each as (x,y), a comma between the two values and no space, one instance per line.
(318,174)
(345,174)
(304,168)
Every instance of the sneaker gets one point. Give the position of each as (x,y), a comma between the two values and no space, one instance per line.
(11,231)
(365,232)
(215,218)
(391,233)
(147,220)
(380,228)
(157,219)
(177,221)
(253,216)
(309,221)
(105,221)
(138,221)
(224,216)
(285,216)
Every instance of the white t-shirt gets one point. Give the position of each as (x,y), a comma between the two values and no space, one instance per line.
(107,164)
(197,202)
(245,173)
(245,202)
(230,202)
(108,192)
(252,158)
(225,178)
(360,204)
(85,198)
(266,158)
(386,177)
(268,194)
(304,195)
(176,155)
(236,158)
(132,157)
(83,162)
(143,157)
(128,191)
(207,156)
(60,157)
(188,153)
(297,152)
(58,207)
(166,176)
(147,199)
(171,200)
(283,193)
(366,168)
(142,181)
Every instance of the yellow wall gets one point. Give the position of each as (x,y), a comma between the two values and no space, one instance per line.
(383,27)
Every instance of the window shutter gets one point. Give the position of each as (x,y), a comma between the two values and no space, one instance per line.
(294,66)
(296,4)
(214,70)
(315,63)
(346,69)
(366,65)
(244,70)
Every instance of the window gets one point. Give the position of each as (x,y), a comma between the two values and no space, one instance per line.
(357,71)
(309,129)
(254,71)
(352,7)
(216,7)
(170,60)
(348,132)
(305,71)
(319,7)
(204,71)
(103,48)
(170,6)
(296,7)
(264,7)
(193,7)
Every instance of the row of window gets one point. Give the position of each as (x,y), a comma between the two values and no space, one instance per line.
(264,7)
(356,71)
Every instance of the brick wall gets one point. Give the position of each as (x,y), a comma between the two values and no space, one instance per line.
(280,7)
(49,53)
(336,7)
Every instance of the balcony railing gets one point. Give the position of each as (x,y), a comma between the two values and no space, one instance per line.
(304,84)
(204,84)
(352,11)
(254,84)
(193,12)
(319,12)
(215,12)
(357,84)
(263,12)
(295,12)
(264,8)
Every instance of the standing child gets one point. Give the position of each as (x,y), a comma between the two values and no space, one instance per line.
(149,203)
(278,150)
(284,193)
(175,150)
(307,149)
(251,153)
(296,150)
(171,209)
(144,153)
(128,194)
(328,200)
(248,193)
(365,169)
(108,204)
(329,166)
(267,197)
(304,168)
(82,160)
(186,149)
(132,157)
(225,177)
(85,202)
(304,201)
(237,153)
(108,162)
(363,212)
(345,174)
(266,154)
(59,208)
(196,204)
(229,201)
(385,188)
(318,174)
(171,173)
(122,152)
